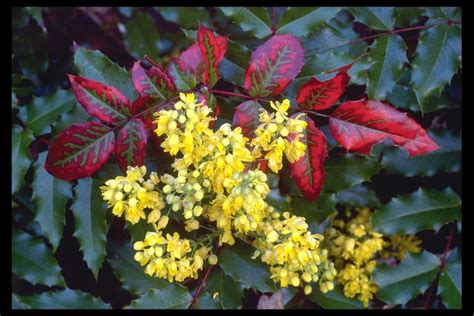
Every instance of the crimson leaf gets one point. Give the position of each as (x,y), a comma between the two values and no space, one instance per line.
(308,171)
(320,95)
(154,82)
(358,125)
(79,150)
(273,65)
(213,50)
(99,100)
(130,147)
(246,116)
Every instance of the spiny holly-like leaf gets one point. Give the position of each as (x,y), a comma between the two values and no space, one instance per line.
(450,285)
(334,299)
(253,20)
(273,65)
(342,172)
(50,196)
(129,272)
(377,18)
(130,147)
(358,196)
(320,95)
(101,101)
(314,212)
(80,150)
(389,55)
(172,296)
(300,21)
(252,273)
(153,82)
(33,261)
(20,155)
(42,112)
(445,159)
(193,57)
(358,125)
(89,213)
(423,209)
(437,59)
(405,281)
(141,36)
(65,299)
(212,50)
(230,291)
(246,116)
(181,74)
(308,171)
(94,65)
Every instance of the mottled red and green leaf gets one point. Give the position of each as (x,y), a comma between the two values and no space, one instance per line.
(320,95)
(130,147)
(152,82)
(358,125)
(79,150)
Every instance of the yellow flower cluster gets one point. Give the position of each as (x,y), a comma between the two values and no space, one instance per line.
(353,247)
(214,185)
(169,258)
(294,254)
(399,244)
(132,194)
(272,136)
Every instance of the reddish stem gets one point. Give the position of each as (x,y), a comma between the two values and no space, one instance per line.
(204,279)
(151,61)
(444,256)
(313,112)
(407,29)
(274,21)
(236,95)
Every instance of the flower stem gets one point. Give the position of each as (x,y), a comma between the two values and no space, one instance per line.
(222,92)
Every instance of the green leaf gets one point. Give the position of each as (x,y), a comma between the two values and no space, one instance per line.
(407,16)
(277,200)
(230,291)
(50,196)
(42,112)
(20,155)
(187,17)
(66,119)
(129,271)
(445,159)
(389,55)
(16,304)
(254,20)
(172,296)
(233,65)
(334,299)
(33,261)
(450,285)
(350,169)
(206,301)
(300,21)
(358,196)
(141,37)
(94,65)
(377,18)
(66,299)
(237,263)
(30,48)
(89,211)
(314,212)
(437,59)
(22,86)
(405,281)
(423,209)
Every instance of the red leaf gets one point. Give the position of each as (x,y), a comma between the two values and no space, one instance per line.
(318,95)
(308,171)
(154,82)
(182,74)
(246,116)
(79,150)
(193,57)
(99,100)
(130,147)
(274,65)
(213,50)
(358,125)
